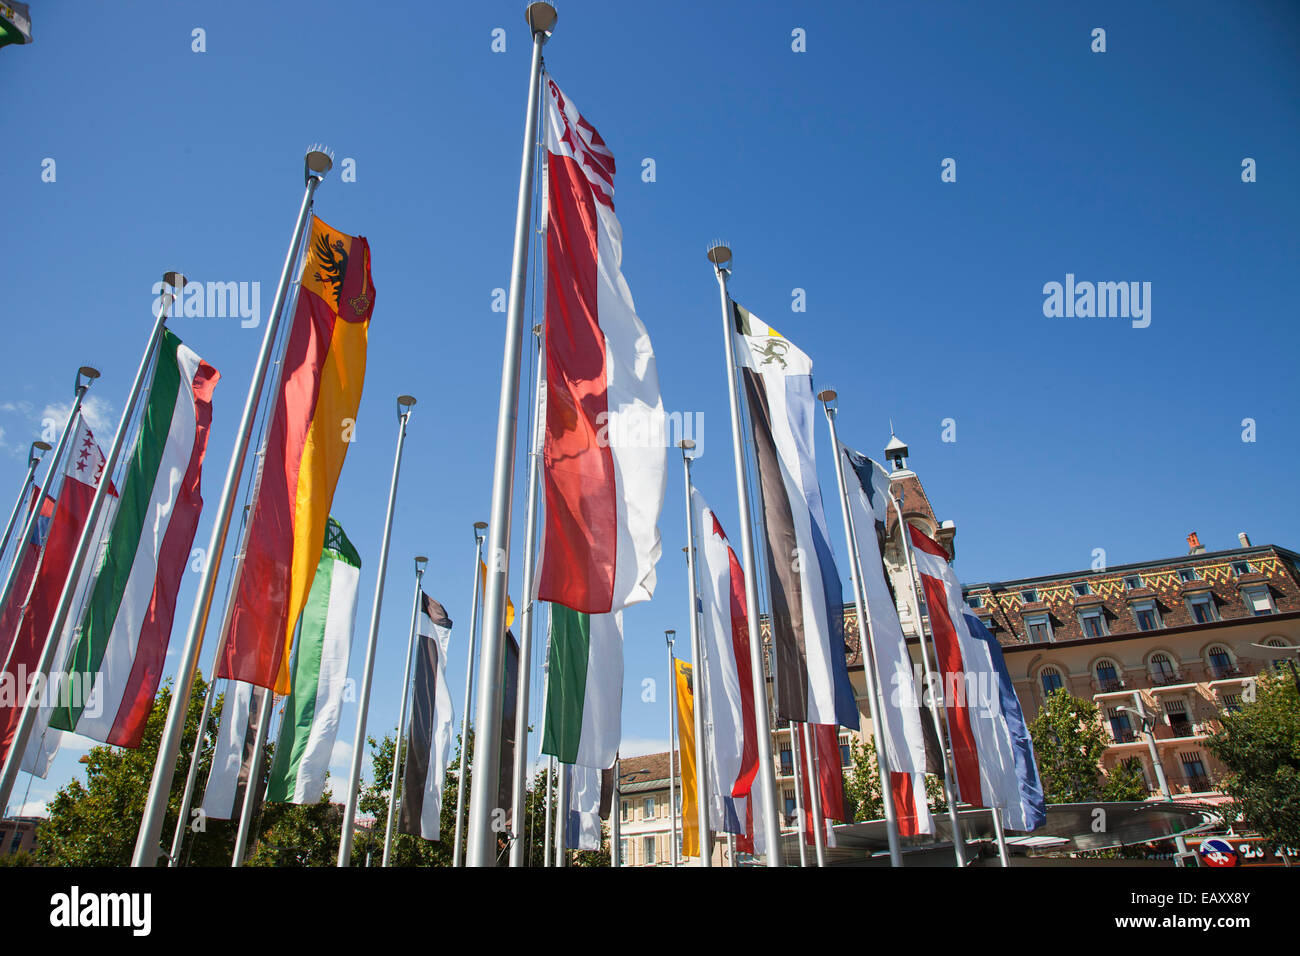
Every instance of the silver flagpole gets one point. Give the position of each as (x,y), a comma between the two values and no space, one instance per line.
(524,668)
(33,459)
(796,762)
(950,792)
(254,779)
(147,843)
(1001,836)
(420,562)
(457,853)
(481,837)
(31,710)
(404,405)
(550,790)
(669,636)
(561,813)
(697,658)
(828,399)
(814,792)
(720,256)
(615,822)
(56,464)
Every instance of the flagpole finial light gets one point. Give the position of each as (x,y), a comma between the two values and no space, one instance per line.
(176,280)
(719,254)
(420,562)
(541,17)
(828,397)
(318,161)
(687,444)
(87,372)
(404,404)
(34,453)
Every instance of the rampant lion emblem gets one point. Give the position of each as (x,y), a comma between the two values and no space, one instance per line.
(772,352)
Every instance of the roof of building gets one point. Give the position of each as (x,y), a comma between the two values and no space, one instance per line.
(646,772)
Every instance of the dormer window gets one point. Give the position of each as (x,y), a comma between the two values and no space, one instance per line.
(1242,567)
(1038,628)
(1258,601)
(1029,596)
(975,602)
(1133,582)
(1187,575)
(1146,615)
(1083,589)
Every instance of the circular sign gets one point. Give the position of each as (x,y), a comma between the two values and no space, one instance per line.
(1216,852)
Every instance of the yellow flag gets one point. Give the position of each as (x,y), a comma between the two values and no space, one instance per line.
(686,738)
(482,581)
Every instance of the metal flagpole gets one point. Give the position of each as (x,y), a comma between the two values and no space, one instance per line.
(254,779)
(720,256)
(697,658)
(457,851)
(550,790)
(481,837)
(524,668)
(404,405)
(809,742)
(147,848)
(1001,835)
(33,459)
(669,636)
(949,789)
(615,822)
(31,710)
(561,813)
(796,764)
(828,399)
(420,562)
(56,463)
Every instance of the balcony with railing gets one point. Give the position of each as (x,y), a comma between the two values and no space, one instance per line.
(1109,685)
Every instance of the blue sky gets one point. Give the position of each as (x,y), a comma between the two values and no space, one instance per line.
(924,299)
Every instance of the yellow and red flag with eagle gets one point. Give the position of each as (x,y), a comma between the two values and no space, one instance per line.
(311,426)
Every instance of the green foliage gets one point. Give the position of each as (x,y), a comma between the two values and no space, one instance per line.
(1260,747)
(1069,741)
(862,785)
(1125,782)
(299,835)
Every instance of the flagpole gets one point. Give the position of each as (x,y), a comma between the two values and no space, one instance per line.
(254,779)
(720,256)
(561,813)
(56,463)
(670,638)
(1001,835)
(481,837)
(796,764)
(950,794)
(829,399)
(550,790)
(701,778)
(524,669)
(809,743)
(31,709)
(457,851)
(615,822)
(33,459)
(404,405)
(147,848)
(420,562)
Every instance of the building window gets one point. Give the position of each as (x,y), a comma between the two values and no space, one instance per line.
(1092,622)
(787,762)
(648,808)
(1232,702)
(1162,669)
(1146,615)
(1132,582)
(1179,722)
(680,855)
(846,754)
(626,810)
(1107,678)
(1258,601)
(1242,567)
(1194,775)
(1221,665)
(1052,679)
(789,804)
(1279,663)
(648,844)
(622,852)
(1029,596)
(1120,728)
(1038,628)
(975,601)
(1187,575)
(1201,607)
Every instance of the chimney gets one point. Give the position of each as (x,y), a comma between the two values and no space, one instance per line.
(1244,539)
(1194,545)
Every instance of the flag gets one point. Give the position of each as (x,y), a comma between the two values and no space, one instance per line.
(604,454)
(15,22)
(823,740)
(986,737)
(812,675)
(685,702)
(128,621)
(82,472)
(584,687)
(729,704)
(238,737)
(312,421)
(590,799)
(30,557)
(482,579)
(509,698)
(320,670)
(428,742)
(901,733)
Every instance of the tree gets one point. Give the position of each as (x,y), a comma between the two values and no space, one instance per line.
(1125,782)
(1260,747)
(862,784)
(1069,742)
(299,835)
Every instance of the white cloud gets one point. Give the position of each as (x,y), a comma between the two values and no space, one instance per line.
(640,746)
(33,808)
(97,411)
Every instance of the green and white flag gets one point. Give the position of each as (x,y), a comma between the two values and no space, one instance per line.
(584,688)
(311,715)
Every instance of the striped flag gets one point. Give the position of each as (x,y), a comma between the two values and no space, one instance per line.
(604,454)
(30,557)
(729,703)
(823,741)
(428,743)
(128,621)
(238,737)
(902,730)
(320,670)
(584,688)
(591,797)
(812,676)
(685,694)
(312,423)
(990,743)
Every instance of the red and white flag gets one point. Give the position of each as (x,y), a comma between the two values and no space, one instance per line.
(604,454)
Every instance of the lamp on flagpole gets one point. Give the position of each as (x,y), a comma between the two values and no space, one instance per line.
(420,562)
(719,254)
(404,405)
(34,453)
(830,403)
(481,836)
(687,446)
(458,847)
(316,164)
